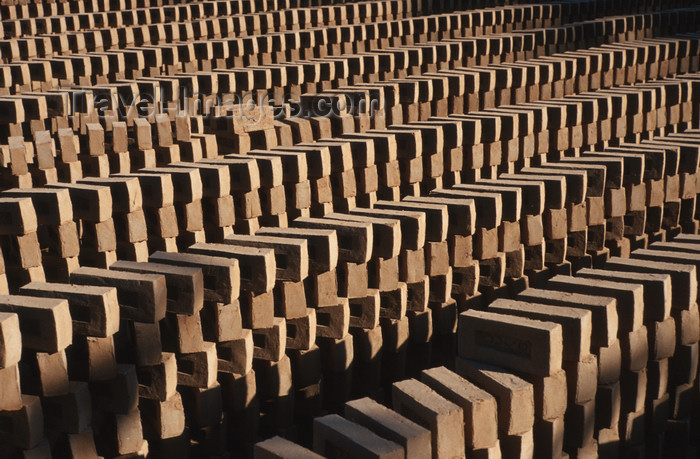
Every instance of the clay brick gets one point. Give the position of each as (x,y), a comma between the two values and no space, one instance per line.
(582,378)
(489,206)
(608,402)
(383,274)
(520,344)
(182,333)
(221,274)
(11,397)
(291,255)
(462,213)
(658,253)
(290,300)
(480,411)
(421,325)
(27,424)
(19,217)
(576,188)
(390,425)
(683,279)
(10,340)
(630,297)
(126,192)
(548,437)
(269,343)
(387,234)
(323,245)
(511,198)
(45,323)
(44,374)
(257,310)
(683,365)
(122,433)
(118,395)
(514,396)
(158,381)
(333,321)
(69,413)
(555,187)
(163,419)
(425,407)
(437,218)
(185,285)
(94,310)
(142,297)
(657,290)
(412,265)
(139,342)
(609,363)
(301,332)
(437,256)
(550,395)
(322,289)
(157,190)
(355,239)
(687,325)
(187,182)
(270,169)
(257,266)
(334,435)
(198,369)
(81,444)
(92,203)
(393,303)
(581,419)
(53,205)
(365,311)
(236,355)
(576,323)
(280,448)
(635,390)
(522,445)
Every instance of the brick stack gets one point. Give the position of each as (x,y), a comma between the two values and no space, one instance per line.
(383,228)
(58,234)
(548,393)
(129,217)
(21,249)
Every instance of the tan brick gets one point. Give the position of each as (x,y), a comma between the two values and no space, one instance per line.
(576,323)
(515,396)
(390,425)
(425,407)
(142,297)
(45,323)
(280,448)
(517,343)
(479,407)
(333,433)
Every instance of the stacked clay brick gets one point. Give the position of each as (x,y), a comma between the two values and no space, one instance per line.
(531,378)
(486,248)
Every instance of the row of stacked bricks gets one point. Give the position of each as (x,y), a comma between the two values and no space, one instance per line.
(184,280)
(363,236)
(289,74)
(31,111)
(548,372)
(627,347)
(596,166)
(347,192)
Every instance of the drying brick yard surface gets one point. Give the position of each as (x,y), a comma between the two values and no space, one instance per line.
(349,229)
